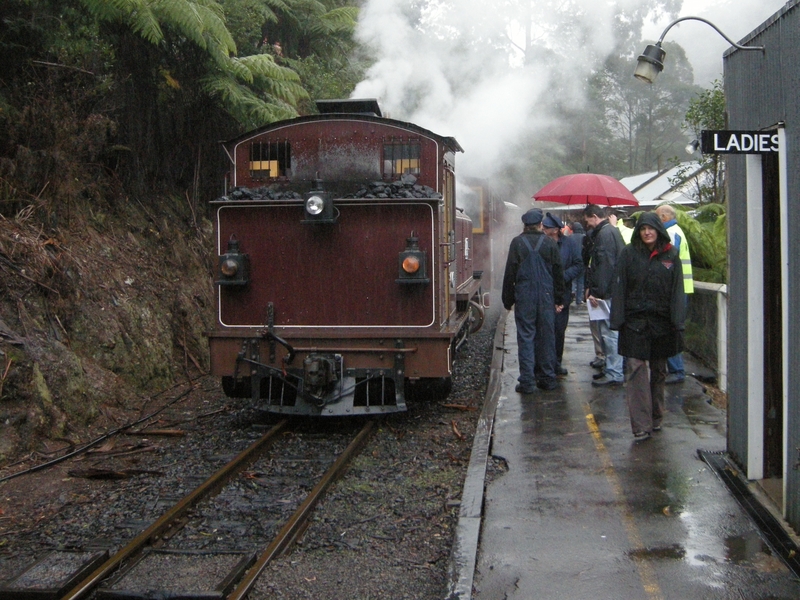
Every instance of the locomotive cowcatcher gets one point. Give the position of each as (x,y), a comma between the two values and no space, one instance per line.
(344,272)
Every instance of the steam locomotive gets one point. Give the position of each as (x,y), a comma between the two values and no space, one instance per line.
(345,272)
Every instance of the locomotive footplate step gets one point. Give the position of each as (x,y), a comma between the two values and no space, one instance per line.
(52,576)
(179,574)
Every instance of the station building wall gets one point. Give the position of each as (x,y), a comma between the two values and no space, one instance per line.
(762,92)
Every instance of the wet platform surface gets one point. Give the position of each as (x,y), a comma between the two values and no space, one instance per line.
(584,511)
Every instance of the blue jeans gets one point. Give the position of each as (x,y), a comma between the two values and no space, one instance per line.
(536,343)
(613,368)
(675,365)
(577,289)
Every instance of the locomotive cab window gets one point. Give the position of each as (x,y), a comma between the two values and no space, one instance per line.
(270,159)
(400,158)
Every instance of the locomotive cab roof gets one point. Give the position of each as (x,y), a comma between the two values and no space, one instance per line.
(350,106)
(356,109)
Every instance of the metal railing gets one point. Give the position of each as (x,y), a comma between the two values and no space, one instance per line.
(707,328)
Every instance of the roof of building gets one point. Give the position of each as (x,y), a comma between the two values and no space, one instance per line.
(656,187)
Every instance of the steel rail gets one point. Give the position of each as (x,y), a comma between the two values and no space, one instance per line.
(205,489)
(287,535)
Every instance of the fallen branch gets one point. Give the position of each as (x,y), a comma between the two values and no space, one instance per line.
(164,432)
(60,66)
(190,356)
(21,274)
(109,473)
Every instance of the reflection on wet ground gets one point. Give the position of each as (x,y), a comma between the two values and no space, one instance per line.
(584,511)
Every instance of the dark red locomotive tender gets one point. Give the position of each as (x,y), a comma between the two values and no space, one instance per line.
(345,268)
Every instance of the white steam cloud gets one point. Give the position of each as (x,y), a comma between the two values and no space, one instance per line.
(458,68)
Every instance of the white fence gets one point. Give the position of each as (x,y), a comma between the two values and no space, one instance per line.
(712,318)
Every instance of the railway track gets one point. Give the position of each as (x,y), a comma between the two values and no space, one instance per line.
(384,531)
(167,539)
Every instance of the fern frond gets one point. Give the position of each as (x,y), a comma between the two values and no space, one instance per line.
(244,105)
(214,6)
(264,65)
(214,27)
(136,14)
(339,20)
(239,69)
(278,5)
(286,91)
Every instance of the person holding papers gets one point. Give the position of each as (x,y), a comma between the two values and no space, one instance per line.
(648,310)
(606,244)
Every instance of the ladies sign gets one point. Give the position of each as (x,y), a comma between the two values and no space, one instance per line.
(739,142)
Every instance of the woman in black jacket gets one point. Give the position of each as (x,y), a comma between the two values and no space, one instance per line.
(649,309)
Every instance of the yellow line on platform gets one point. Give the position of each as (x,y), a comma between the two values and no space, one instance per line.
(646,572)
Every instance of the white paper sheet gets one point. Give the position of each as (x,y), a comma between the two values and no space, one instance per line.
(601,312)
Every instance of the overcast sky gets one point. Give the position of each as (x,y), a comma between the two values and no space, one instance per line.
(704,46)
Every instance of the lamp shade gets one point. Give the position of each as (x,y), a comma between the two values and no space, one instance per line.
(651,63)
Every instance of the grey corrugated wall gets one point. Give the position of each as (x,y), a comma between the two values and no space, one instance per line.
(761,90)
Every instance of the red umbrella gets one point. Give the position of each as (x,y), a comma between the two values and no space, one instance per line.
(586,188)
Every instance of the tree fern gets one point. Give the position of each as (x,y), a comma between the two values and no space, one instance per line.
(707,242)
(275,90)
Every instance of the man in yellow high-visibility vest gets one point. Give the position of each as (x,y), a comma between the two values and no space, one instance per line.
(617,219)
(667,214)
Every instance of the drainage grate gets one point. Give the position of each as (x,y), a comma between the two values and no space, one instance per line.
(768,525)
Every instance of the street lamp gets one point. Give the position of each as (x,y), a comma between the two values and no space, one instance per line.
(651,61)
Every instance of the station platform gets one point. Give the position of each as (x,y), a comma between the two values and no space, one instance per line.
(561,502)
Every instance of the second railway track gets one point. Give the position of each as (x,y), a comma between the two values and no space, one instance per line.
(178,526)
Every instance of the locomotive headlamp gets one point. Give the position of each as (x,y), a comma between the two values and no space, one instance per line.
(412,263)
(314,205)
(318,206)
(233,266)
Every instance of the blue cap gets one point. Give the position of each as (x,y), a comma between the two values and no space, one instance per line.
(532,217)
(552,221)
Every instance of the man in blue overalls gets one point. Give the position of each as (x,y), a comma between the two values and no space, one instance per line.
(532,284)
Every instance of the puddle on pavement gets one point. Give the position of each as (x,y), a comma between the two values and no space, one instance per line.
(673,551)
(745,548)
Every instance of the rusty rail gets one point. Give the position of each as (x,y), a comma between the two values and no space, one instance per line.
(152,533)
(287,535)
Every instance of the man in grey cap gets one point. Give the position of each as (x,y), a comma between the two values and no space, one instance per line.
(533,284)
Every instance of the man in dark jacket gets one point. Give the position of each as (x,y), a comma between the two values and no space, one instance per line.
(533,284)
(649,309)
(606,244)
(571,260)
(577,284)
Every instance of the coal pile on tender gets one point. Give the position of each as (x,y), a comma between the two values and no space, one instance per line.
(406,187)
(262,193)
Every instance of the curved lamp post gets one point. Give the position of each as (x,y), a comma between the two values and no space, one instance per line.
(651,61)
